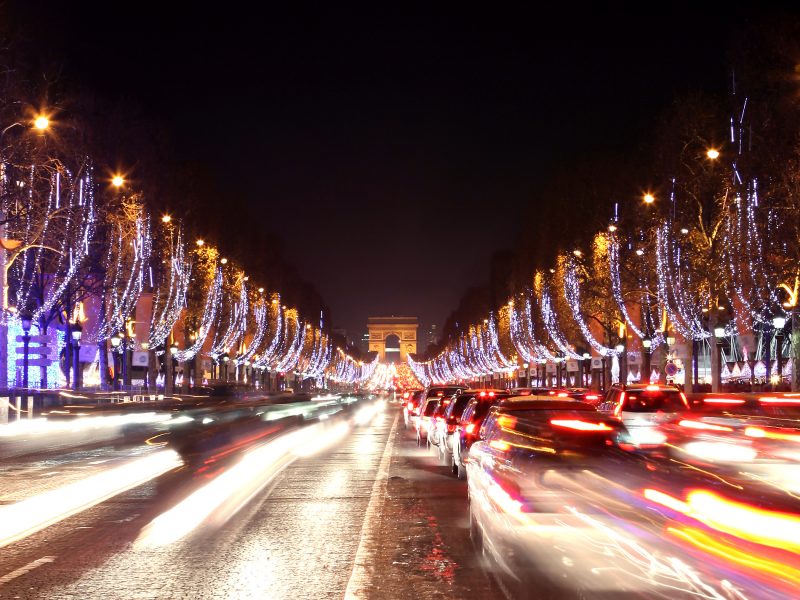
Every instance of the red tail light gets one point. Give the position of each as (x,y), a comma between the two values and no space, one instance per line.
(470,428)
(592,397)
(579,425)
(499,445)
(618,407)
(491,394)
(562,394)
(652,388)
(779,401)
(700,425)
(723,401)
(483,394)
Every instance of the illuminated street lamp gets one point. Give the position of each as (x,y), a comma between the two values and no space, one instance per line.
(42,123)
(118,181)
(712,153)
(649,198)
(77,331)
(27,321)
(779,323)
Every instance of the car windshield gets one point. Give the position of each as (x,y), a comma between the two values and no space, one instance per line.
(653,401)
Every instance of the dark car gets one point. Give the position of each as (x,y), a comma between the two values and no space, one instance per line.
(448,422)
(468,427)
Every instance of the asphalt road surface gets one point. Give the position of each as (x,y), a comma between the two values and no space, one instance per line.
(371,516)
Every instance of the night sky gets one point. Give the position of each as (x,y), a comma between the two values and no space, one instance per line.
(392,153)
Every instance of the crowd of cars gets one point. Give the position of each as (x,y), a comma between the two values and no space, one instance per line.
(550,471)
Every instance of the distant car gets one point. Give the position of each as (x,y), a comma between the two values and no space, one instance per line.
(447,424)
(411,408)
(424,421)
(466,432)
(643,409)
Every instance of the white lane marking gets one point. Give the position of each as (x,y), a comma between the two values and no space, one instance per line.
(26,569)
(362,569)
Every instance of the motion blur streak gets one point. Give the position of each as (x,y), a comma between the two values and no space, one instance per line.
(735,555)
(24,518)
(765,527)
(221,498)
(27,427)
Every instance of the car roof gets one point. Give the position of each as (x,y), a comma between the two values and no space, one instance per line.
(533,403)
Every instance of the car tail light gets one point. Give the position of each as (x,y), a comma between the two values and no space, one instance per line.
(757,432)
(562,395)
(723,401)
(579,425)
(506,422)
(706,426)
(483,394)
(592,397)
(499,445)
(618,407)
(652,388)
(470,428)
(491,394)
(779,401)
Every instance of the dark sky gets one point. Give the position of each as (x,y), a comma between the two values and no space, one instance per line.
(392,153)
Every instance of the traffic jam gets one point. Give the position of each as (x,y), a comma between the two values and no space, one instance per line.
(642,491)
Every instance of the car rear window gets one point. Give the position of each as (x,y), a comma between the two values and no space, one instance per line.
(436,392)
(456,408)
(430,407)
(653,401)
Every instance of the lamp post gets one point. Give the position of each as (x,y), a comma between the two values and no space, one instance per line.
(169,375)
(77,330)
(115,342)
(225,359)
(623,371)
(26,320)
(716,379)
(646,346)
(586,366)
(779,323)
(127,355)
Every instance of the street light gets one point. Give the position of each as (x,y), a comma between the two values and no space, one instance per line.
(649,198)
(27,321)
(77,330)
(779,323)
(42,123)
(118,181)
(719,333)
(712,153)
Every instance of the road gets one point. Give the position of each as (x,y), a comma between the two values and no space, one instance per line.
(370,516)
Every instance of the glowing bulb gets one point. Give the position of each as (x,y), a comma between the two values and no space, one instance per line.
(684,231)
(612,228)
(712,153)
(577,253)
(224,261)
(118,181)
(200,243)
(41,123)
(639,252)
(166,218)
(649,198)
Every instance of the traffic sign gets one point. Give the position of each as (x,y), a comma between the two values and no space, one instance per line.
(671,369)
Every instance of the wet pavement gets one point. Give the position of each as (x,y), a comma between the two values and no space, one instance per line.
(373,516)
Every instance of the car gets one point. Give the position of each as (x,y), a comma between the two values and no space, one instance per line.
(411,408)
(447,423)
(467,429)
(520,481)
(644,409)
(434,436)
(424,421)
